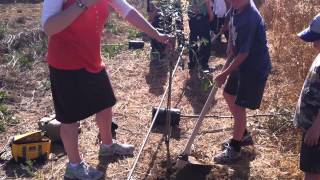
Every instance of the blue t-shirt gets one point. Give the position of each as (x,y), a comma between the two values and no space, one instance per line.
(247,30)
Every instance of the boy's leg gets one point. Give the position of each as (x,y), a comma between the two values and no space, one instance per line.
(76,168)
(240,123)
(205,48)
(238,94)
(193,43)
(249,95)
(231,152)
(69,136)
(239,114)
(104,119)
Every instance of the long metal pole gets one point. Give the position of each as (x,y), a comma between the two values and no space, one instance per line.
(168,114)
(153,121)
(204,110)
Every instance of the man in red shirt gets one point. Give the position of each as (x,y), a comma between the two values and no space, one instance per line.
(79,82)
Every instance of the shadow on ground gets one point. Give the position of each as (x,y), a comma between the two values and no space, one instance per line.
(157,77)
(105,161)
(193,92)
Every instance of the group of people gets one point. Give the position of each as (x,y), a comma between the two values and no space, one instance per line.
(81,87)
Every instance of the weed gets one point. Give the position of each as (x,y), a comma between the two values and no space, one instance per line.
(112,27)
(44,85)
(5,116)
(3,29)
(110,50)
(133,33)
(281,123)
(28,168)
(3,96)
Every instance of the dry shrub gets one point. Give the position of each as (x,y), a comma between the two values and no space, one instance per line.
(291,57)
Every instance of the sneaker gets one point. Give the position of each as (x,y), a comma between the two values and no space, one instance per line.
(228,155)
(116,149)
(82,172)
(246,141)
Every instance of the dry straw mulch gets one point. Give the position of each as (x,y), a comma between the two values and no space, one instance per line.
(139,84)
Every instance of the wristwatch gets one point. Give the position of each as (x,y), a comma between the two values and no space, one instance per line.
(81,5)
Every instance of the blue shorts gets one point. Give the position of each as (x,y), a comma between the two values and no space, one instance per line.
(248,89)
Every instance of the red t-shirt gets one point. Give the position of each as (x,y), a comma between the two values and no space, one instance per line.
(78,46)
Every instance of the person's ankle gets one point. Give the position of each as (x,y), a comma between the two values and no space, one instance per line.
(74,164)
(106,145)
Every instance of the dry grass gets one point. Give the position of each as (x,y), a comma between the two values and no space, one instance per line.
(290,56)
(139,84)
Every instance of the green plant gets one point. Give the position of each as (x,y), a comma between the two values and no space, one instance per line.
(133,33)
(25,61)
(110,50)
(44,85)
(3,29)
(111,27)
(282,121)
(28,168)
(3,96)
(5,116)
(2,129)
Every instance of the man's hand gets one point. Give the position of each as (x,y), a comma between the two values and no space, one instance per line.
(312,136)
(221,79)
(169,40)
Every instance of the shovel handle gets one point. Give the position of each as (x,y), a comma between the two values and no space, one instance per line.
(187,149)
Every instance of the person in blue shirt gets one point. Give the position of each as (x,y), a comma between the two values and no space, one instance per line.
(247,72)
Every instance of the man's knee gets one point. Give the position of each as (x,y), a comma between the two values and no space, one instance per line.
(70,125)
(105,112)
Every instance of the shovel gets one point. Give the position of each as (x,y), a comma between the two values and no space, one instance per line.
(183,158)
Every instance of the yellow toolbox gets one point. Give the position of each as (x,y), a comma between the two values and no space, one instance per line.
(30,146)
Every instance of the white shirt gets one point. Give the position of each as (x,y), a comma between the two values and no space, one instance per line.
(219,8)
(52,7)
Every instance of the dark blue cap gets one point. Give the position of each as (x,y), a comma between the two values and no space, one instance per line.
(312,33)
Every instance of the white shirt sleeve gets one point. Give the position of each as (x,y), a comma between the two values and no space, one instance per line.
(121,6)
(50,8)
(220,8)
